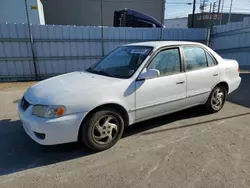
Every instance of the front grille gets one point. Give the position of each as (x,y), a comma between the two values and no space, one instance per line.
(24,104)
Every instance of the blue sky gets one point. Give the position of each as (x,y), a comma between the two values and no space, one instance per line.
(178,8)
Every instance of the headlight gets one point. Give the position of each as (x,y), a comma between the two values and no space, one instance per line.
(48,111)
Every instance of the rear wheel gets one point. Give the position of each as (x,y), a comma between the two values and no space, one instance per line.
(216,99)
(102,129)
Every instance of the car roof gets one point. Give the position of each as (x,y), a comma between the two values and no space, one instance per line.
(159,44)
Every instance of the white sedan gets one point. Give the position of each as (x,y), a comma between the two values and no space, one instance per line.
(135,82)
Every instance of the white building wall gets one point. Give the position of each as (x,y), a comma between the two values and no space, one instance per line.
(13,11)
(176,23)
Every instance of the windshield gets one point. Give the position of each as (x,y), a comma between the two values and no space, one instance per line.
(122,62)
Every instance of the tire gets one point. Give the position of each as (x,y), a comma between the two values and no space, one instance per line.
(210,105)
(102,130)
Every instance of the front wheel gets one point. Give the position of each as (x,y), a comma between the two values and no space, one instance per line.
(216,99)
(102,130)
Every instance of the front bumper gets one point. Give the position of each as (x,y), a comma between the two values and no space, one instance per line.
(56,130)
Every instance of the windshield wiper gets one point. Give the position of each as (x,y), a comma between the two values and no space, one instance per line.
(91,70)
(105,73)
(100,72)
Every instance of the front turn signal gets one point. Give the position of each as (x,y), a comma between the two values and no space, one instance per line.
(60,111)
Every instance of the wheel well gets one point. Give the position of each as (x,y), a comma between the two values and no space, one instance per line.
(225,85)
(117,107)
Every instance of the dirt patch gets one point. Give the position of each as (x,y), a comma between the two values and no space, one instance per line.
(15,85)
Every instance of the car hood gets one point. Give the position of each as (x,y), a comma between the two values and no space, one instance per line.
(61,88)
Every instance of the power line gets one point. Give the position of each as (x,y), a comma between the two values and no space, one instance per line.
(188,3)
(238,8)
(177,5)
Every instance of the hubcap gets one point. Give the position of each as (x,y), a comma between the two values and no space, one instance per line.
(217,99)
(105,129)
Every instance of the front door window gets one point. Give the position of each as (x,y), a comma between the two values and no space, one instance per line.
(167,62)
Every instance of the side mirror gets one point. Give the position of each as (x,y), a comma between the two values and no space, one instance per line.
(147,74)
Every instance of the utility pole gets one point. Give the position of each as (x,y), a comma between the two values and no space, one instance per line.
(218,13)
(102,35)
(219,6)
(211,20)
(193,13)
(230,12)
(162,17)
(209,26)
(204,4)
(222,8)
(210,16)
(213,14)
(31,40)
(163,11)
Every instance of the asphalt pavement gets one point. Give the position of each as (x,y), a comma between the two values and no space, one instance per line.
(184,149)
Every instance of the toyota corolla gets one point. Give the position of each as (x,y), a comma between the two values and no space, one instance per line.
(133,83)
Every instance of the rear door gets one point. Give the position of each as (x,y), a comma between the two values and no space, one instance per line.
(202,74)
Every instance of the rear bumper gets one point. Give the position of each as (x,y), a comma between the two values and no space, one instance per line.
(56,130)
(234,84)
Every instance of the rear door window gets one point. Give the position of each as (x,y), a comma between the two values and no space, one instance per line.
(211,62)
(195,58)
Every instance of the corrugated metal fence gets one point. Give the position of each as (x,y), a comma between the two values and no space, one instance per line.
(233,41)
(61,49)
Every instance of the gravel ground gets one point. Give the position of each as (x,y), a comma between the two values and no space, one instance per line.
(184,149)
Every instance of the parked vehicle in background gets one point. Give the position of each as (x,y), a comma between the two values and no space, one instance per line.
(133,18)
(133,83)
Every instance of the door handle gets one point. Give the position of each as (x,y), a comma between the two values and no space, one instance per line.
(215,74)
(180,82)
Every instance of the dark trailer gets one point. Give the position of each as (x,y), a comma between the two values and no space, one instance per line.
(132,18)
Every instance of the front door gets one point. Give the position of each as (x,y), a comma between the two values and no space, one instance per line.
(166,93)
(202,74)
